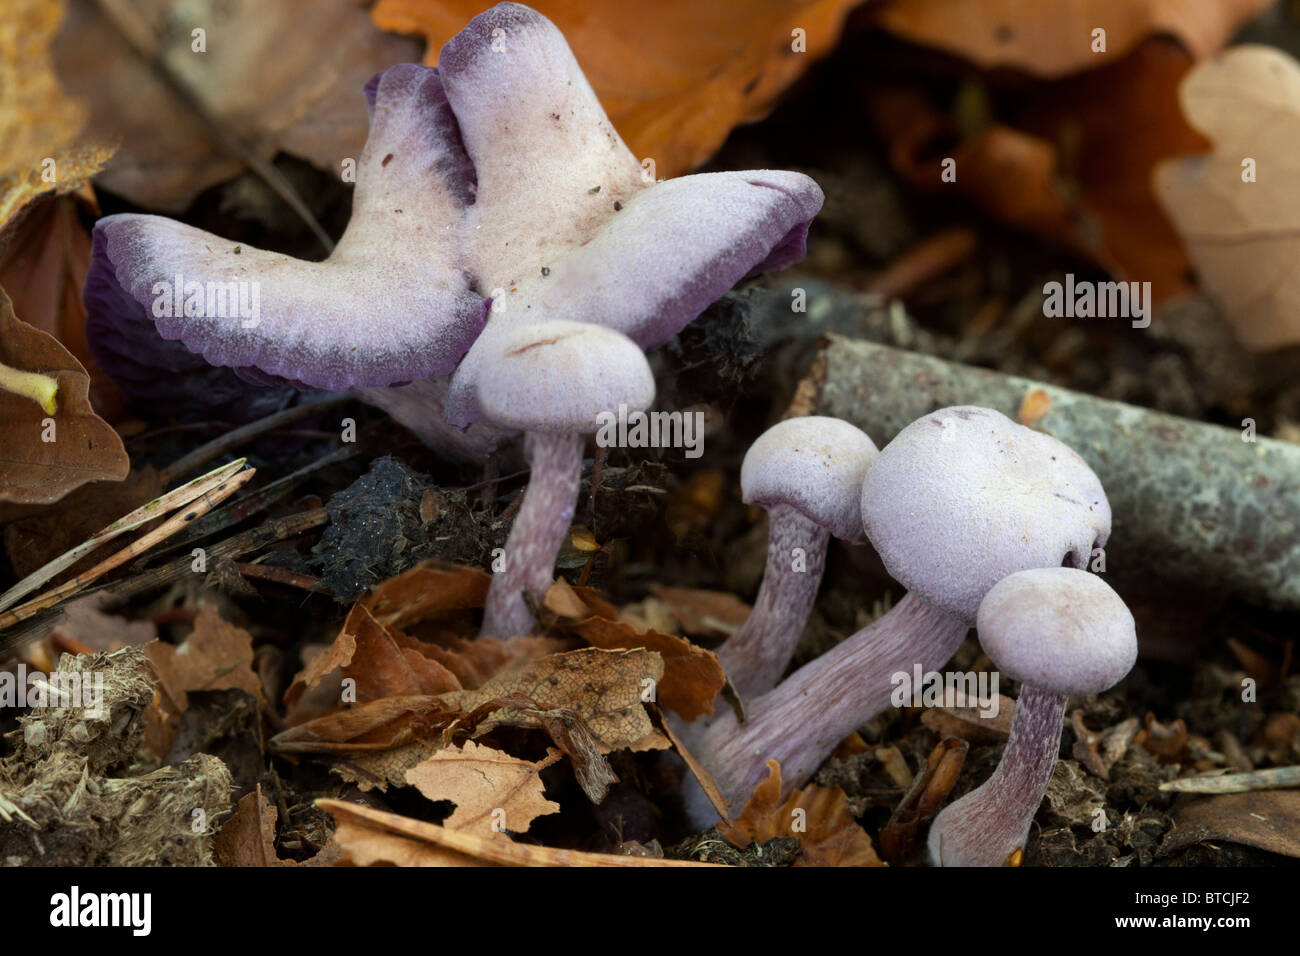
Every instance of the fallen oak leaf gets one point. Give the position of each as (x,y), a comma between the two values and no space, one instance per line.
(692,676)
(490,789)
(48,454)
(1266,819)
(1243,235)
(704,613)
(1065,162)
(216,655)
(44,260)
(569,731)
(357,826)
(921,802)
(39,124)
(429,590)
(603,688)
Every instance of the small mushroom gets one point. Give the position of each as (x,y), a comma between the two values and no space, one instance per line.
(551,381)
(1059,631)
(959,499)
(807,472)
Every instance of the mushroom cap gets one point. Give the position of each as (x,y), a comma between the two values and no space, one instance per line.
(559,376)
(1059,629)
(964,497)
(814,464)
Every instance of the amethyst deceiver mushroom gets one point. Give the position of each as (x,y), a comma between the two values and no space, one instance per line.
(1059,631)
(959,499)
(807,473)
(495,176)
(551,382)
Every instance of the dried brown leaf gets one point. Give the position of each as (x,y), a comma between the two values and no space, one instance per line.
(603,688)
(33,469)
(491,789)
(1266,819)
(819,817)
(263,78)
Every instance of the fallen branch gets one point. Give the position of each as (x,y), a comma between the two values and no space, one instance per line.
(1192,502)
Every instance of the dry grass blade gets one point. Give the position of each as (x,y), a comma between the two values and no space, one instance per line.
(496,849)
(175,498)
(205,503)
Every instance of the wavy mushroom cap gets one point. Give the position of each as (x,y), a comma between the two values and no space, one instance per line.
(1058,629)
(814,464)
(964,497)
(391,304)
(561,376)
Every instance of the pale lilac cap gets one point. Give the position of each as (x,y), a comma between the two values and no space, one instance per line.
(964,497)
(1058,629)
(561,376)
(815,464)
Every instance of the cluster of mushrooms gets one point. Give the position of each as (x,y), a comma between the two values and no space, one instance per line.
(506,267)
(986,522)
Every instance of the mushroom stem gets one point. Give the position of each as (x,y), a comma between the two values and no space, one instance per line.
(538,532)
(989,824)
(756,656)
(800,721)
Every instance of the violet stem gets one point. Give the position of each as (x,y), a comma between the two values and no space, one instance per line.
(757,655)
(985,827)
(538,532)
(801,720)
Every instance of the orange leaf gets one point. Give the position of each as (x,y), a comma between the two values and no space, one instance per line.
(674,80)
(819,817)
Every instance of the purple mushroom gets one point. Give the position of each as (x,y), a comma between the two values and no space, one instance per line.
(807,472)
(959,499)
(552,380)
(496,177)
(566,227)
(1059,631)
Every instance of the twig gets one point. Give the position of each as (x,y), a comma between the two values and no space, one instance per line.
(284,576)
(240,436)
(1275,778)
